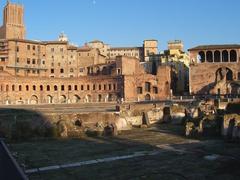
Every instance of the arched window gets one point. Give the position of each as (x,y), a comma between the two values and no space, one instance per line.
(233,56)
(69,87)
(209,56)
(48,88)
(62,88)
(27,88)
(217,56)
(75,87)
(20,88)
(202,56)
(41,88)
(55,88)
(13,88)
(34,88)
(225,56)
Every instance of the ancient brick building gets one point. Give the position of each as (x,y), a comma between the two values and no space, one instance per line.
(215,69)
(39,72)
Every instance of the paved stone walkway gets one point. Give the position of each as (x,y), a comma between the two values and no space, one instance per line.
(162,148)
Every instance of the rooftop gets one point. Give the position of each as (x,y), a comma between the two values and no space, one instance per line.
(220,46)
(126,48)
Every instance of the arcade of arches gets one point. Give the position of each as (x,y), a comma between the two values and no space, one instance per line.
(218,56)
(215,69)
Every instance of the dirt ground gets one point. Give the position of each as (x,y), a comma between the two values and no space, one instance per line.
(176,157)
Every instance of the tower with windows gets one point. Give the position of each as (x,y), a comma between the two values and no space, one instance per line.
(13,22)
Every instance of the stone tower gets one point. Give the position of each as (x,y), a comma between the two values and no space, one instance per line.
(13,24)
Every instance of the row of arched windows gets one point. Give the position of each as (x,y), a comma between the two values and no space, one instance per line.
(217,56)
(104,87)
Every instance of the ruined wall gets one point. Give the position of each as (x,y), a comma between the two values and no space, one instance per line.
(203,76)
(231,126)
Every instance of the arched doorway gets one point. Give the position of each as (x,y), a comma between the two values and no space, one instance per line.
(63,99)
(88,98)
(110,97)
(34,100)
(147,97)
(76,99)
(49,99)
(99,98)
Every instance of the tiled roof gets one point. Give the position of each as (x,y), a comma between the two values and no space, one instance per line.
(220,46)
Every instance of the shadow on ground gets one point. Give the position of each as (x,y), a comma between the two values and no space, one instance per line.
(176,157)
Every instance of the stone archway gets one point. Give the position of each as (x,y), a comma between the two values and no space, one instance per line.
(76,99)
(88,98)
(34,100)
(62,99)
(224,73)
(49,99)
(147,97)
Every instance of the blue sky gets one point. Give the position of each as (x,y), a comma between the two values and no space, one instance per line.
(129,22)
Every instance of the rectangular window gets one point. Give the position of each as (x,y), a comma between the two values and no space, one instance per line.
(82,87)
(109,87)
(139,90)
(81,70)
(100,87)
(28,61)
(61,70)
(17,60)
(33,61)
(52,71)
(34,48)
(105,87)
(94,87)
(147,87)
(118,71)
(155,90)
(88,87)
(28,47)
(62,88)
